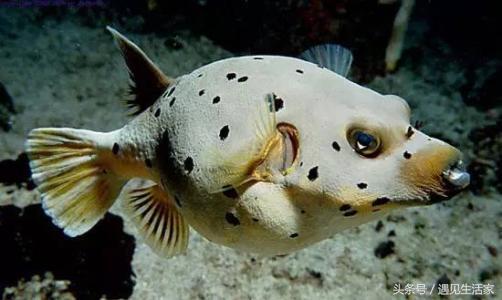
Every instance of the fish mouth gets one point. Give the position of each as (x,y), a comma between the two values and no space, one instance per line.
(454,180)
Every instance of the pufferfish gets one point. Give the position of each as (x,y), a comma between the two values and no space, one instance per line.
(265,154)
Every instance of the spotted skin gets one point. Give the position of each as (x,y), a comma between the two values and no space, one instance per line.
(214,112)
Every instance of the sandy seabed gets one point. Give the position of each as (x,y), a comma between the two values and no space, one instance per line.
(61,73)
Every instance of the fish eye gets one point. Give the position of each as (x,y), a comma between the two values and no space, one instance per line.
(364,143)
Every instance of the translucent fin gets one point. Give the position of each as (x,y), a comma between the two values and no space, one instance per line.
(157,219)
(235,170)
(76,188)
(148,82)
(331,56)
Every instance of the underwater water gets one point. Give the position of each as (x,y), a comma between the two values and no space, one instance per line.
(59,67)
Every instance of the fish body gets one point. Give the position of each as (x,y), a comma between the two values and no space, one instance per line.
(266,154)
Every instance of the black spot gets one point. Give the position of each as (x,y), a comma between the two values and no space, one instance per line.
(165,94)
(345,207)
(384,249)
(258,58)
(302,211)
(391,233)
(231,76)
(313,174)
(278,103)
(350,213)
(242,79)
(200,75)
(172,101)
(115,148)
(362,185)
(299,71)
(301,164)
(232,219)
(216,99)
(224,132)
(171,91)
(201,92)
(407,155)
(293,235)
(178,201)
(380,201)
(231,193)
(335,146)
(409,132)
(157,112)
(255,219)
(188,164)
(379,226)
(148,163)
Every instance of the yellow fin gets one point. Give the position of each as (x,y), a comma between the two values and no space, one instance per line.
(76,189)
(157,219)
(235,170)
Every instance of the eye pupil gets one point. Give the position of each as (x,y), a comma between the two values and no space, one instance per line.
(364,139)
(364,143)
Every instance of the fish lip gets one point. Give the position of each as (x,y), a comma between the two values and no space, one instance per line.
(450,189)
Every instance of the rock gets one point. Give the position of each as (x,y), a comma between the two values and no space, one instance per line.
(16,172)
(384,249)
(6,109)
(488,273)
(97,264)
(37,288)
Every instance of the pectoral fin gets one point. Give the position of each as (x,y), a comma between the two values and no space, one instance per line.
(273,154)
(157,219)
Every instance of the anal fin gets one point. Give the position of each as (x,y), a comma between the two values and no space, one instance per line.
(157,219)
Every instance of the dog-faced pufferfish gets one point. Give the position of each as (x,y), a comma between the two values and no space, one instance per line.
(266,154)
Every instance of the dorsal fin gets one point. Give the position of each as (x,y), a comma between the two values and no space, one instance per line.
(331,56)
(148,82)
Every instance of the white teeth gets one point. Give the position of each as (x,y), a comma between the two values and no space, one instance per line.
(457,176)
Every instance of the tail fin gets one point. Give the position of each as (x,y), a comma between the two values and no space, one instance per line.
(77,189)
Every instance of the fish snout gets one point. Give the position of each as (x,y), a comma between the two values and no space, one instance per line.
(436,170)
(455,179)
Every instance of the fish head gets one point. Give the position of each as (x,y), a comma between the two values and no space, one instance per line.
(382,162)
